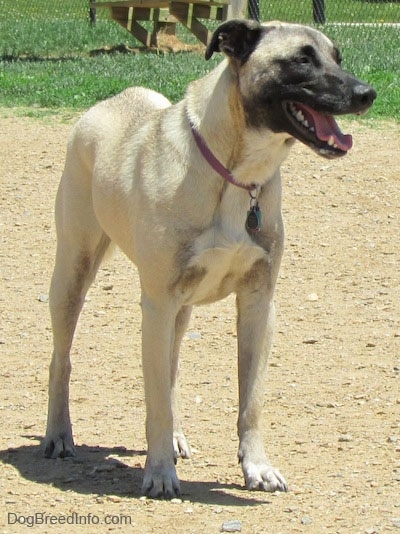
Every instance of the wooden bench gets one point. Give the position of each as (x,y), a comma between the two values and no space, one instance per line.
(164,15)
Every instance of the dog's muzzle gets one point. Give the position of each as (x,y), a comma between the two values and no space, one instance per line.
(319,130)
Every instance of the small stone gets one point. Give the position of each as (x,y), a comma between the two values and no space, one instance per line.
(306,520)
(43,297)
(113,498)
(312,297)
(176,501)
(231,526)
(108,287)
(193,335)
(103,468)
(344,438)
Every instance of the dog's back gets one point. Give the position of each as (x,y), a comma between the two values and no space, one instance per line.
(113,121)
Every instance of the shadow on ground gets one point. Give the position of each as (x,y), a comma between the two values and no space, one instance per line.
(105,471)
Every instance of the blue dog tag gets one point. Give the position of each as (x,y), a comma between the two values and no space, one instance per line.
(253,220)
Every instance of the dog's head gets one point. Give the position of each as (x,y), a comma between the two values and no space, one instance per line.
(290,80)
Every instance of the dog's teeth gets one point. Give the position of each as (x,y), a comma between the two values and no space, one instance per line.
(299,116)
(331,141)
(312,129)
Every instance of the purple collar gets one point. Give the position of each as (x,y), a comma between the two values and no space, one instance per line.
(215,163)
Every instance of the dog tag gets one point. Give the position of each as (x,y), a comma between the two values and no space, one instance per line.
(253,220)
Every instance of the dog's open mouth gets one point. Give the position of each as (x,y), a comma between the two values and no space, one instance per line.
(318,130)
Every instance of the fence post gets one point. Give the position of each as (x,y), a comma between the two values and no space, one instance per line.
(319,11)
(92,15)
(254,10)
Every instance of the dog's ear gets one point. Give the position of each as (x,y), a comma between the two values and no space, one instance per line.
(235,38)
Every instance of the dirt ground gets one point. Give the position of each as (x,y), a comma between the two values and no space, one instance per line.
(332,410)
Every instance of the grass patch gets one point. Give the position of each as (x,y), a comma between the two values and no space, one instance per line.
(80,82)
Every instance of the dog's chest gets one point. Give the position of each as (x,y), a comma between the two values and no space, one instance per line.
(221,258)
(216,267)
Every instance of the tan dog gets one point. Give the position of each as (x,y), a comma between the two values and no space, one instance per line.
(192,194)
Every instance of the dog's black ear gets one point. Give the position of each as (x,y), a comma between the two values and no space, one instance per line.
(235,38)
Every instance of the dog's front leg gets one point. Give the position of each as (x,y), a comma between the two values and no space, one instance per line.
(158,334)
(256,316)
(181,446)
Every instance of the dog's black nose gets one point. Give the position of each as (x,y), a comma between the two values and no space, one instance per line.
(363,95)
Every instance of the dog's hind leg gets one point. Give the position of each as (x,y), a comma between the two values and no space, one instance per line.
(181,446)
(256,317)
(81,245)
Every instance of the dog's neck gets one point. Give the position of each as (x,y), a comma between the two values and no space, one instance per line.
(225,173)
(216,112)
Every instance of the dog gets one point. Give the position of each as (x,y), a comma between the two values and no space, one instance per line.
(191,193)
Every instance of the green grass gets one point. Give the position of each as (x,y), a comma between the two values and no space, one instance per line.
(80,82)
(335,11)
(45,59)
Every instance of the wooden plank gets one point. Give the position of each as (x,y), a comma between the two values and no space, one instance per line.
(131,3)
(128,12)
(121,15)
(202,11)
(129,17)
(163,15)
(207,2)
(184,13)
(154,3)
(142,35)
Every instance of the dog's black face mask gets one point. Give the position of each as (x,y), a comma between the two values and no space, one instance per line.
(291,82)
(304,94)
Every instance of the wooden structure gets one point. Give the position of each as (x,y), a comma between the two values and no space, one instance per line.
(164,15)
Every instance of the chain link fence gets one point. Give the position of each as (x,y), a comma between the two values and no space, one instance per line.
(305,11)
(371,28)
(327,11)
(376,12)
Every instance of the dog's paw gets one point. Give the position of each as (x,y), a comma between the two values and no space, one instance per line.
(261,476)
(181,446)
(161,482)
(59,447)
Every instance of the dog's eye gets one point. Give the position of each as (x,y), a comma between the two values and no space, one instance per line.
(306,55)
(303,60)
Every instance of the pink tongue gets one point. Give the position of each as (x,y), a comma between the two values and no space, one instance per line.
(326,127)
